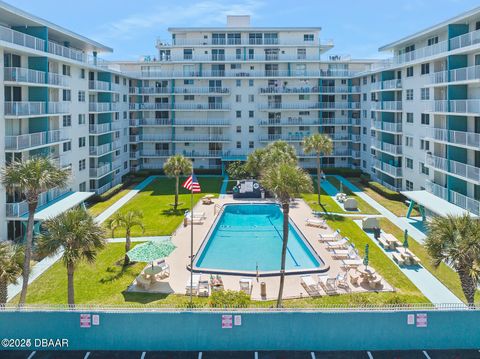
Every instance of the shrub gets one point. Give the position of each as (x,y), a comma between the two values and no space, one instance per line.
(229,298)
(237,170)
(384,191)
(365,178)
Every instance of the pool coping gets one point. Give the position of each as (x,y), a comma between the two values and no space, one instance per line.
(324,268)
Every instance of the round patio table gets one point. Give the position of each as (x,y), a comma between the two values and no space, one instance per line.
(366,271)
(150,272)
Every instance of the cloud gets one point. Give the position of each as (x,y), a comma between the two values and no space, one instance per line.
(202,13)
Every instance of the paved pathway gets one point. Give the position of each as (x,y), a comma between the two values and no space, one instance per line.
(428,284)
(223,189)
(41,267)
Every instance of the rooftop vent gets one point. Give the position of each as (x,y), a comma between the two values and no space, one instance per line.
(238,20)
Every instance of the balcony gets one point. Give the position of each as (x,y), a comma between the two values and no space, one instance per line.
(386,147)
(308,90)
(202,106)
(23,75)
(19,38)
(459,138)
(103,106)
(19,209)
(309,106)
(101,150)
(26,108)
(32,140)
(217,122)
(68,52)
(456,198)
(436,106)
(100,171)
(455,168)
(201,138)
(150,90)
(394,127)
(152,137)
(156,153)
(300,121)
(468,107)
(99,86)
(58,80)
(335,153)
(241,41)
(55,108)
(388,85)
(202,90)
(468,39)
(154,122)
(387,168)
(386,106)
(99,129)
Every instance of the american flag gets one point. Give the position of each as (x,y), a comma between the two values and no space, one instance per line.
(192,184)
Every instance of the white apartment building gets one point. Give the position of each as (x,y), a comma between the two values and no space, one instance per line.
(215,94)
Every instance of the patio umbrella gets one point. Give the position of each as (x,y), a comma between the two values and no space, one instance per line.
(150,251)
(365,257)
(405,239)
(341,187)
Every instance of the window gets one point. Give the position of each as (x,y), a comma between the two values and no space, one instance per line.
(67,146)
(66,70)
(423,169)
(250,83)
(409,117)
(250,129)
(301,54)
(308,37)
(409,163)
(364,130)
(187,54)
(67,120)
(239,144)
(364,80)
(81,165)
(425,69)
(239,129)
(432,41)
(81,119)
(409,94)
(238,83)
(238,114)
(425,94)
(82,73)
(425,119)
(238,98)
(424,145)
(82,187)
(67,95)
(364,147)
(408,141)
(250,144)
(188,82)
(409,185)
(81,142)
(251,98)
(81,96)
(188,97)
(410,71)
(304,97)
(364,96)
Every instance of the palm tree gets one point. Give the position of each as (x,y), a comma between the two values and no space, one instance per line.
(319,144)
(275,153)
(11,256)
(126,220)
(79,235)
(31,178)
(285,180)
(456,241)
(176,166)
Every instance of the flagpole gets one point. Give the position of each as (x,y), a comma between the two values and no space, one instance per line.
(191,243)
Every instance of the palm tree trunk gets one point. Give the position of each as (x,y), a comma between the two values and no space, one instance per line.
(71,290)
(32,206)
(176,193)
(126,261)
(285,207)
(3,291)
(318,178)
(468,286)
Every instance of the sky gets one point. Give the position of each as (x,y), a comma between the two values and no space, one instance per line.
(358,28)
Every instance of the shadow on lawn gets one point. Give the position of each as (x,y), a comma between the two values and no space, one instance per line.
(114,274)
(143,298)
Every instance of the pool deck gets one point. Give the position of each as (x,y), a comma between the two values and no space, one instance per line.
(179,259)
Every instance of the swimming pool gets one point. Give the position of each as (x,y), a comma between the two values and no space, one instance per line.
(249,235)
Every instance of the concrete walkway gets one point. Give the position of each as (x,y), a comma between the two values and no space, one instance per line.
(428,284)
(223,189)
(41,267)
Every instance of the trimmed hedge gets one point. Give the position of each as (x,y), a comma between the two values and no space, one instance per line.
(341,171)
(384,191)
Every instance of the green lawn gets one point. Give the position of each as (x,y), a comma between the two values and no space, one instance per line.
(99,207)
(363,206)
(399,208)
(444,273)
(155,203)
(328,204)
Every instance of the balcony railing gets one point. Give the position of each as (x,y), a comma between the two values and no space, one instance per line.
(387,168)
(202,106)
(27,108)
(101,170)
(387,147)
(457,168)
(202,138)
(387,126)
(22,142)
(100,128)
(309,106)
(21,208)
(468,39)
(202,90)
(58,80)
(101,150)
(68,52)
(470,73)
(58,107)
(387,106)
(20,74)
(307,89)
(465,106)
(387,85)
(19,38)
(242,41)
(300,136)
(99,85)
(456,198)
(103,106)
(155,153)
(300,121)
(467,139)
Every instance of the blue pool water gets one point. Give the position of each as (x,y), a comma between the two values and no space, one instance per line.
(249,234)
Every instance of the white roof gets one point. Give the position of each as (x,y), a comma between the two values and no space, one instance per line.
(435,204)
(61,205)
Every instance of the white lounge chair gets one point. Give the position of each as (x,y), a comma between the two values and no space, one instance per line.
(341,244)
(246,285)
(351,263)
(192,287)
(203,288)
(349,253)
(328,237)
(315,222)
(310,286)
(327,283)
(342,281)
(196,215)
